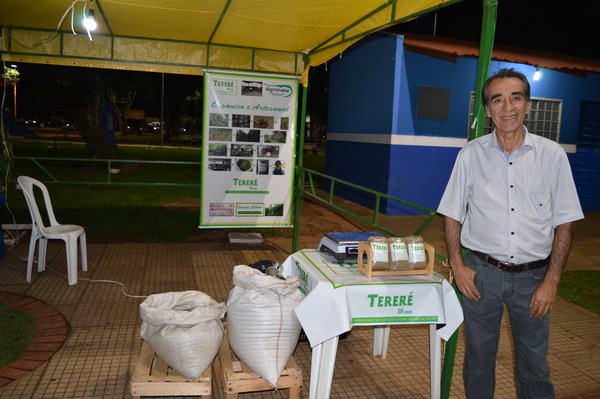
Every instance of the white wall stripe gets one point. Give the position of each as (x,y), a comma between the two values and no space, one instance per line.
(426,141)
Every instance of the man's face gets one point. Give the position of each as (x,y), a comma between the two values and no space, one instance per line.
(507,106)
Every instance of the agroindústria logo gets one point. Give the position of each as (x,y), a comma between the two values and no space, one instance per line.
(279,90)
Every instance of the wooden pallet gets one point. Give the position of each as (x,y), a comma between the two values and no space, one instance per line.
(153,377)
(234,377)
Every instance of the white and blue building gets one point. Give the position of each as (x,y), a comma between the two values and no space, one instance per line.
(400,110)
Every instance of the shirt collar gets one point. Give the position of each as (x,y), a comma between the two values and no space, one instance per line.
(526,143)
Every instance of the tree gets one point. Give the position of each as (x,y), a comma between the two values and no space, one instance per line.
(93,131)
(178,101)
(121,104)
(123,88)
(192,101)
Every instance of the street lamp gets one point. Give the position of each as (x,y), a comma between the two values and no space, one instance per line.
(15,91)
(11,75)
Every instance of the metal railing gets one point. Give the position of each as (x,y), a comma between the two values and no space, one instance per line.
(109,171)
(316,183)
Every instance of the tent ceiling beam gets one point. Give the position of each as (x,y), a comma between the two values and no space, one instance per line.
(223,13)
(104,18)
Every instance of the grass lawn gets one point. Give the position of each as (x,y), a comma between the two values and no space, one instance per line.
(18,330)
(581,287)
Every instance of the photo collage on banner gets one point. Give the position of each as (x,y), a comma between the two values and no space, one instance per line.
(248,150)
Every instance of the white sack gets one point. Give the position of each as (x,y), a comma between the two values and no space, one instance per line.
(185,329)
(262,328)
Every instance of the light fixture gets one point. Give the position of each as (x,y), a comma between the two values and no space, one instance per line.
(537,74)
(89,21)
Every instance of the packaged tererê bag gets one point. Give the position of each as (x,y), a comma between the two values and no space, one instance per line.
(262,328)
(185,329)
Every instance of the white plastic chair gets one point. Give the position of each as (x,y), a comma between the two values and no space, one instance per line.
(69,233)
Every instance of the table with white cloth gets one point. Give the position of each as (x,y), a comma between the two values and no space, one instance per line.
(339,296)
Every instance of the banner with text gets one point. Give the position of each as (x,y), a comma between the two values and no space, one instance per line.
(248,150)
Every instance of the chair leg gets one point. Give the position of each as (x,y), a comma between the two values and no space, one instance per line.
(83,250)
(71,243)
(43,245)
(32,244)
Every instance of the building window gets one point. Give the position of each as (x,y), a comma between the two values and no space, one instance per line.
(543,119)
(433,103)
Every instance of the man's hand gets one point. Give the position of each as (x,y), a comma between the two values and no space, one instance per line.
(544,296)
(463,274)
(465,280)
(543,299)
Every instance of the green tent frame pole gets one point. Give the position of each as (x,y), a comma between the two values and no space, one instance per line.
(488,28)
(299,191)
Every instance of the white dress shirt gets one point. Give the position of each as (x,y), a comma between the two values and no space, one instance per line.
(509,206)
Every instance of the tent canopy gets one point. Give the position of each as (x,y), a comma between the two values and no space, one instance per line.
(189,36)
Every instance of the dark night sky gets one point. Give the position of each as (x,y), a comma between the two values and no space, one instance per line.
(564,27)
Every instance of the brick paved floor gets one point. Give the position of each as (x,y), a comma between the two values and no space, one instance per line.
(52,330)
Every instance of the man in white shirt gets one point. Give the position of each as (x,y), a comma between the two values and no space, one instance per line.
(511,203)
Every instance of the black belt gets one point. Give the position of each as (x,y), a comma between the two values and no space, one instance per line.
(511,267)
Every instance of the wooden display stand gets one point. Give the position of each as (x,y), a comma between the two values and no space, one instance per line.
(153,377)
(234,377)
(365,266)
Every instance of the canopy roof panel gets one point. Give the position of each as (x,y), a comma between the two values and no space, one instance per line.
(189,36)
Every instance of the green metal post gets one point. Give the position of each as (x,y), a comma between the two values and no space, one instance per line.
(488,29)
(299,191)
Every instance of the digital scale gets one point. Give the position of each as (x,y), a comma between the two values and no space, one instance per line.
(344,245)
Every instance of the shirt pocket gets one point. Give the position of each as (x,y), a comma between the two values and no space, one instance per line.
(538,202)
